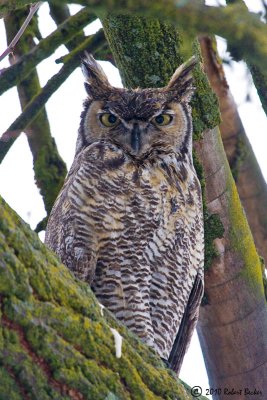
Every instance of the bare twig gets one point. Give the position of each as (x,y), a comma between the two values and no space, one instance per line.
(13,43)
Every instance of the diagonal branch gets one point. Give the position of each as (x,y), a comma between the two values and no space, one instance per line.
(90,44)
(67,30)
(60,13)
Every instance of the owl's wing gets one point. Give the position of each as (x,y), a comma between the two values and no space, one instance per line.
(187,325)
(70,231)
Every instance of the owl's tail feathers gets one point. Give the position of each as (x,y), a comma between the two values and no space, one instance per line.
(187,326)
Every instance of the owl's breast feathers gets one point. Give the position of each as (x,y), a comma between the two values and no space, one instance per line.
(134,230)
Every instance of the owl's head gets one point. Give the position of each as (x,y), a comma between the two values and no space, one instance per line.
(139,121)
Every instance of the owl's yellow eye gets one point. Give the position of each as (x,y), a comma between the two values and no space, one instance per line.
(162,119)
(109,120)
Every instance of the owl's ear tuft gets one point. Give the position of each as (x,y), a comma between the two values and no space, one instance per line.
(181,83)
(97,85)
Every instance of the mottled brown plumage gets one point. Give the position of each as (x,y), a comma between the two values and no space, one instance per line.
(129,219)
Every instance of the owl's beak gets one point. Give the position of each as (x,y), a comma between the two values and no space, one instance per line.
(136,138)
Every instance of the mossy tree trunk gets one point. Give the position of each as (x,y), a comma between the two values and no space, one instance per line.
(233,321)
(55,342)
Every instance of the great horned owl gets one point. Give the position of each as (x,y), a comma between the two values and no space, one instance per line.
(128,219)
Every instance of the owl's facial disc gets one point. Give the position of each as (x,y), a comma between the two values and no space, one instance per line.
(131,135)
(139,131)
(138,136)
(134,133)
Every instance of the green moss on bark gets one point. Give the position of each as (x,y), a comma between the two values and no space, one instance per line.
(242,241)
(213,226)
(205,105)
(54,342)
(260,80)
(233,22)
(146,51)
(240,155)
(9,388)
(50,172)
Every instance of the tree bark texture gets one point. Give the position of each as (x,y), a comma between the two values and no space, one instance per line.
(250,182)
(55,343)
(233,322)
(61,13)
(232,325)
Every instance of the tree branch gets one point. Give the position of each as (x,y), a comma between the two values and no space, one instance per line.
(60,13)
(32,109)
(259,77)
(22,68)
(233,22)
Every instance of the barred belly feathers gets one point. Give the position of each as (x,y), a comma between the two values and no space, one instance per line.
(128,219)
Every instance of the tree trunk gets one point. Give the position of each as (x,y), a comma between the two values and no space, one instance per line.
(250,182)
(233,321)
(54,341)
